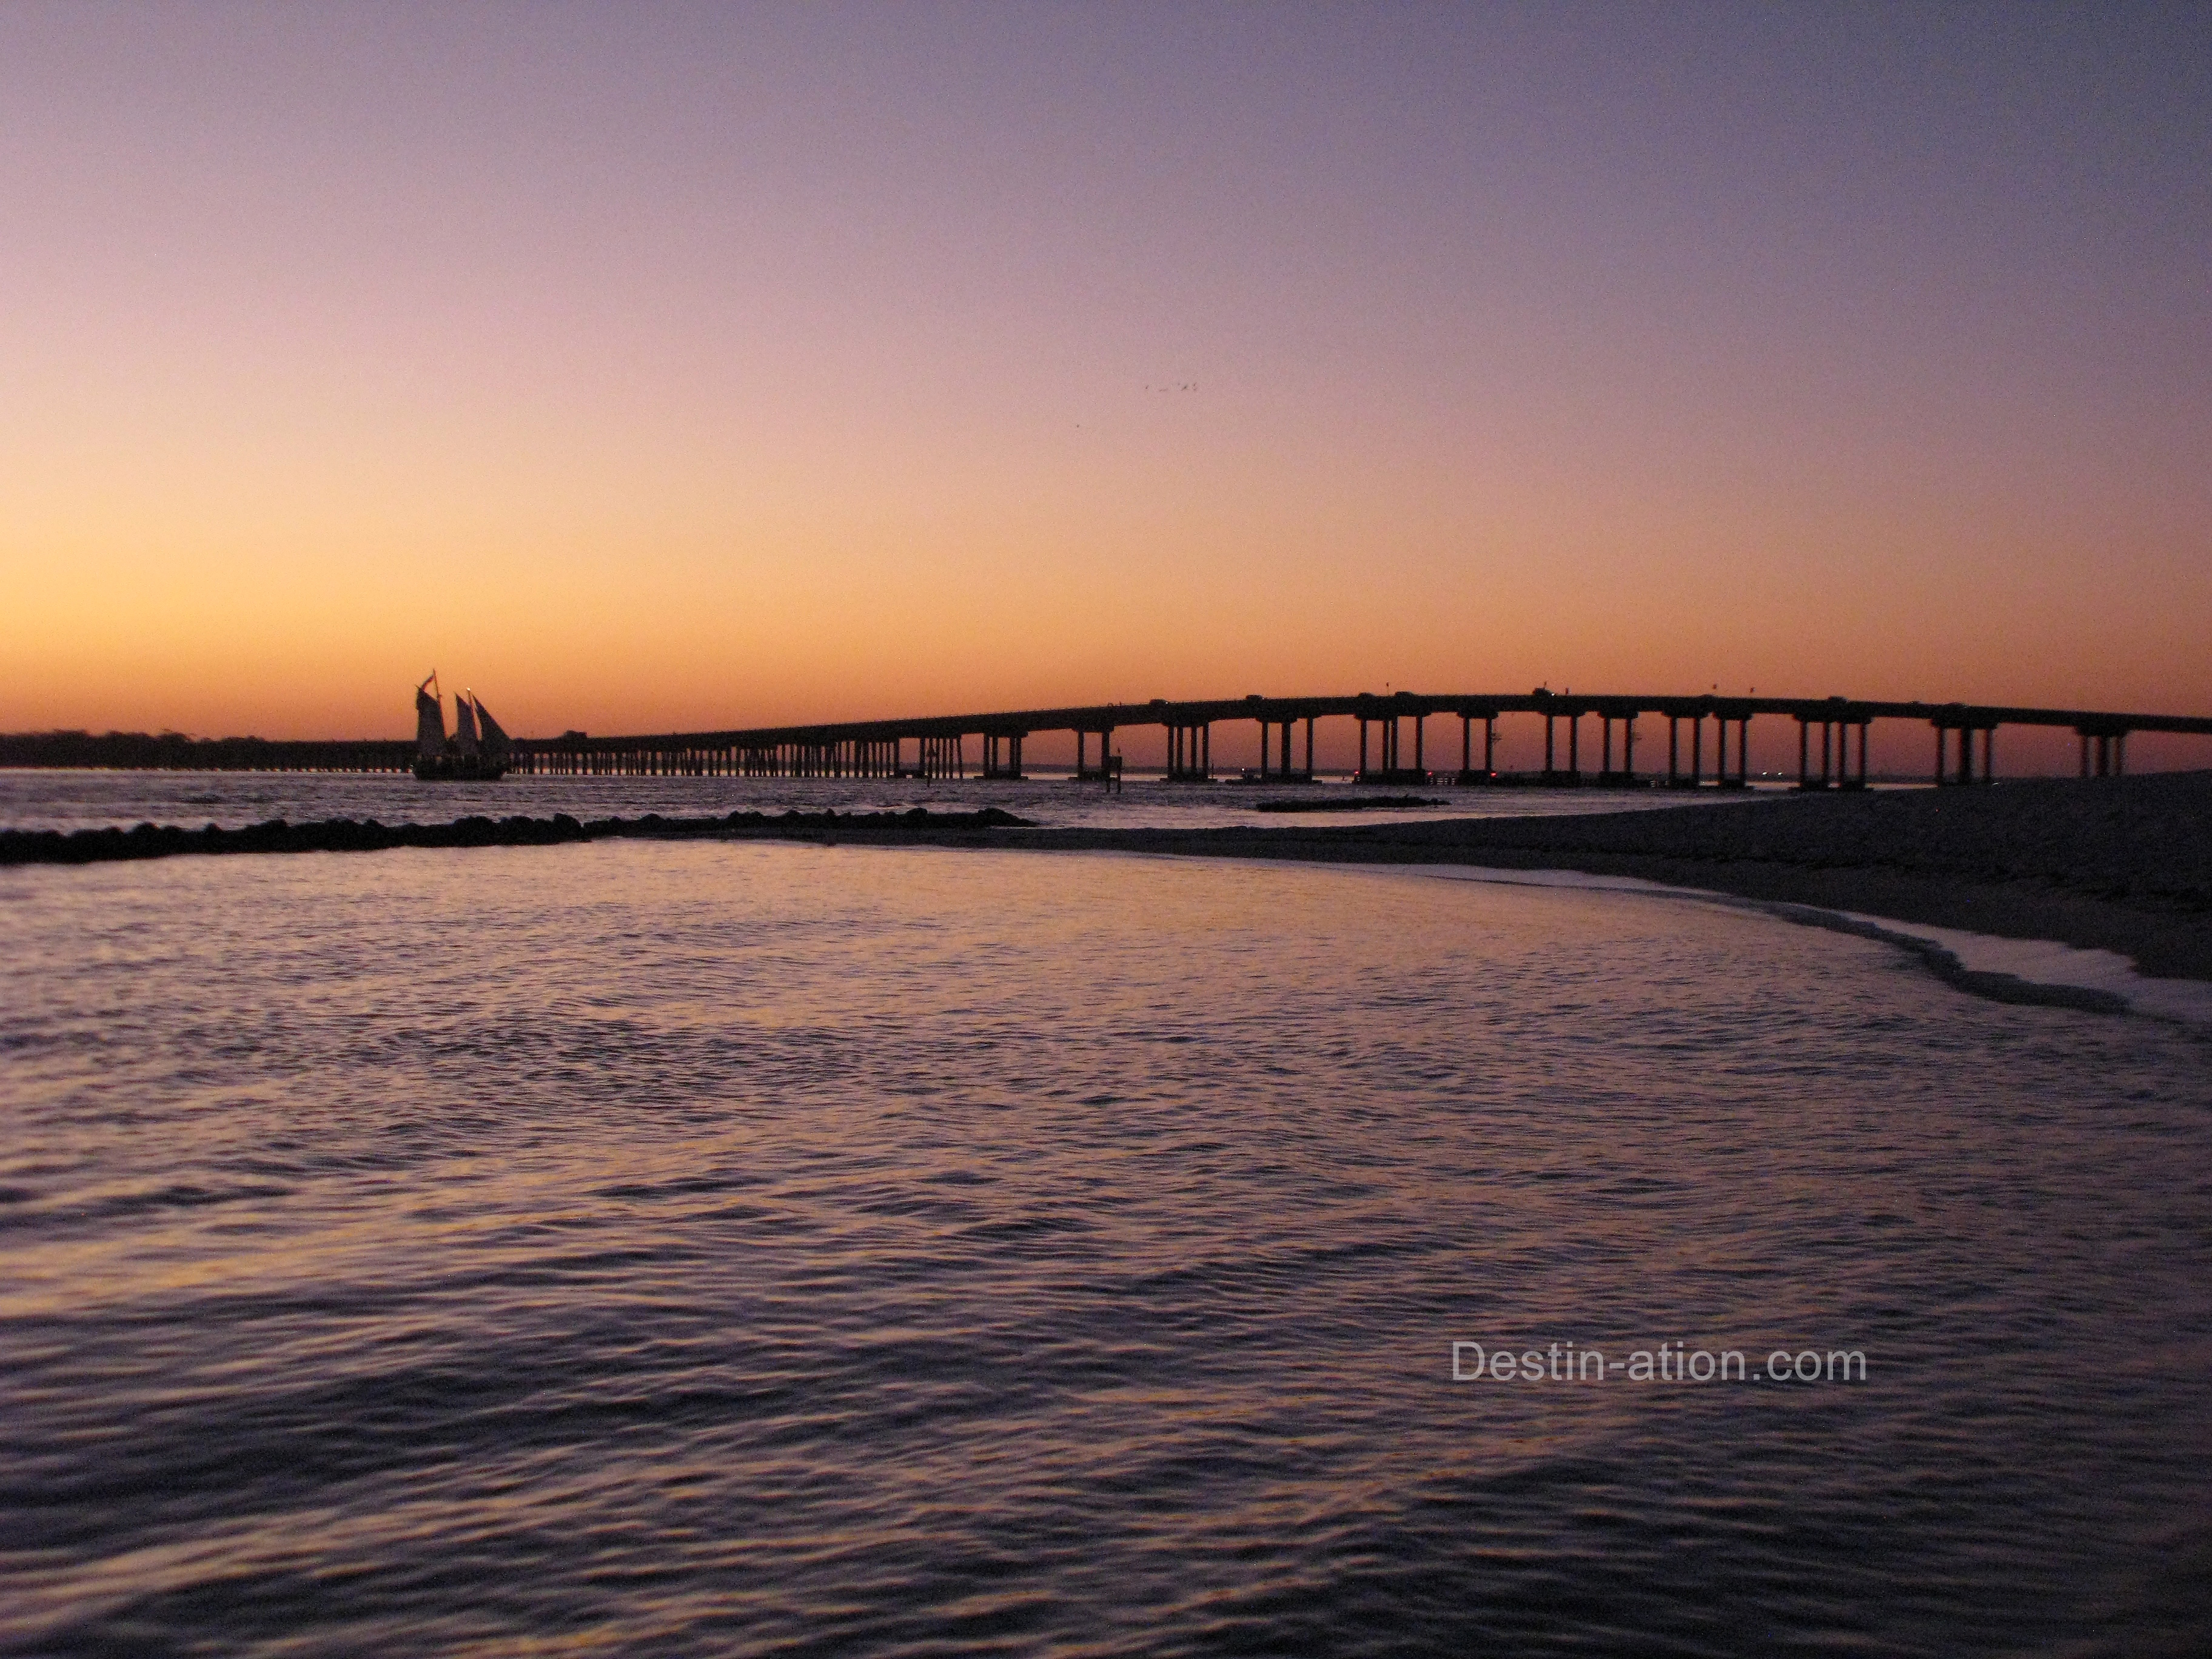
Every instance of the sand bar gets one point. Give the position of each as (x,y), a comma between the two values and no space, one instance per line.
(2112,863)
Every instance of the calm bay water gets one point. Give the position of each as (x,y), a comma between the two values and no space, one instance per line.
(676,1248)
(63,800)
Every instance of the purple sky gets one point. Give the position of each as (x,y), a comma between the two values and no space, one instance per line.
(669,365)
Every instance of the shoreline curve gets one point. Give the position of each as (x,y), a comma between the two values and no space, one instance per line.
(2116,865)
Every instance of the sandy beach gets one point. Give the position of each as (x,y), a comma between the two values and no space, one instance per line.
(2115,864)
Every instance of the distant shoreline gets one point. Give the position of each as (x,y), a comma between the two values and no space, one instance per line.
(2116,864)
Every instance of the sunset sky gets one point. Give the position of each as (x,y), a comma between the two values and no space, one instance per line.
(656,366)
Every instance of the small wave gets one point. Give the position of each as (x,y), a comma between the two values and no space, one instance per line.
(101,1209)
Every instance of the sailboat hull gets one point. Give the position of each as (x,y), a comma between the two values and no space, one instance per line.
(459,768)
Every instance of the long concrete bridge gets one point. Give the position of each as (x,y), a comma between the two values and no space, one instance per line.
(936,746)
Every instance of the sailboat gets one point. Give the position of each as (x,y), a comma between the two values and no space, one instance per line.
(476,752)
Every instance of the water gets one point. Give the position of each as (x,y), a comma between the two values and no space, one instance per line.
(62,799)
(680,1247)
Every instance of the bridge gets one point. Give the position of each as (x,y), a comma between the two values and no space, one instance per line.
(936,746)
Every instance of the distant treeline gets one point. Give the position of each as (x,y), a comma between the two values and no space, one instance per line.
(172,751)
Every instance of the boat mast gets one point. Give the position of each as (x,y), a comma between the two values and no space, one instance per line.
(429,719)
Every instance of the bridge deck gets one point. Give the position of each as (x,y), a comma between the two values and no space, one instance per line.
(1117,716)
(875,748)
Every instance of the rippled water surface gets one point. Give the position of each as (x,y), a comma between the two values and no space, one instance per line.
(672,1247)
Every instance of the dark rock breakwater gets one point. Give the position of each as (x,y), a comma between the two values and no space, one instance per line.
(1353,804)
(150,840)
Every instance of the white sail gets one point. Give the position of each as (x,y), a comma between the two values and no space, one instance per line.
(464,726)
(429,722)
(492,733)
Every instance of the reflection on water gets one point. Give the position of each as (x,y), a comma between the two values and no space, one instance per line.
(672,1247)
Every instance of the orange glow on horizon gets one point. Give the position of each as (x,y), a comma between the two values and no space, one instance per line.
(719,410)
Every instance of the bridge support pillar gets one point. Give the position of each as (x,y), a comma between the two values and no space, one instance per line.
(1108,771)
(2111,751)
(941,758)
(1845,779)
(1961,771)
(1275,752)
(1190,753)
(1389,756)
